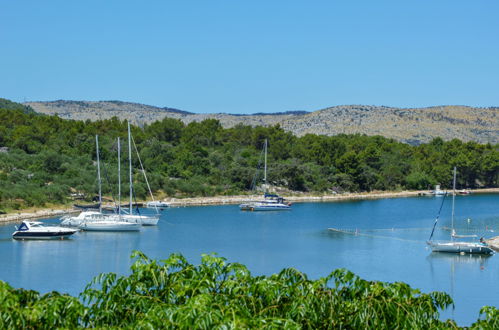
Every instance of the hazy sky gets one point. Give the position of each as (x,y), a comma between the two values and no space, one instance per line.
(252,56)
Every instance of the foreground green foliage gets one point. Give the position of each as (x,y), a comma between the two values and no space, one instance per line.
(216,294)
(45,159)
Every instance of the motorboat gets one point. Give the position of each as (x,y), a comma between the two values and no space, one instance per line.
(464,192)
(157,204)
(438,192)
(36,230)
(455,246)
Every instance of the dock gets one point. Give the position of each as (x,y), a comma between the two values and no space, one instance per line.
(493,243)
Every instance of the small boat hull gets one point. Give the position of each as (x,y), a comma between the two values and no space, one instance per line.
(270,208)
(109,226)
(264,207)
(144,220)
(43,236)
(150,221)
(245,207)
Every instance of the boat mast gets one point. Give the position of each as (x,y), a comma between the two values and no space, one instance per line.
(98,172)
(265,166)
(130,167)
(453,200)
(119,178)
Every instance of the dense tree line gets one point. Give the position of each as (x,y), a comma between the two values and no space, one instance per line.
(43,159)
(173,293)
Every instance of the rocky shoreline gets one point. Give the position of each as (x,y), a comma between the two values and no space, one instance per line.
(227,200)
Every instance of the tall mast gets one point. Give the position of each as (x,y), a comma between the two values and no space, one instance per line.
(119,177)
(265,166)
(453,198)
(98,172)
(130,167)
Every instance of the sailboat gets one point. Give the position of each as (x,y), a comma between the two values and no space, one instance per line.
(271,202)
(145,220)
(96,220)
(89,215)
(111,222)
(454,246)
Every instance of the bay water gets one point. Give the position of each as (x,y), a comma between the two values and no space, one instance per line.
(383,239)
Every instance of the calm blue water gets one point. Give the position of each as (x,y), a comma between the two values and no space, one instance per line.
(390,246)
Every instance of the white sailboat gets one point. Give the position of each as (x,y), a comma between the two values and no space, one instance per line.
(90,215)
(145,220)
(271,202)
(107,222)
(454,246)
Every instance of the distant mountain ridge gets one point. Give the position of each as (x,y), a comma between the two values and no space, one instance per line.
(410,125)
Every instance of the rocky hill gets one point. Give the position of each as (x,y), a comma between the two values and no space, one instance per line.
(411,125)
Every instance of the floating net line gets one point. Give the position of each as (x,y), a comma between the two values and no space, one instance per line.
(366,233)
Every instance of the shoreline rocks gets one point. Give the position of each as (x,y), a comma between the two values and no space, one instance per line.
(230,200)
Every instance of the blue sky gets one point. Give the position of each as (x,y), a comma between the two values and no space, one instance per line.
(252,56)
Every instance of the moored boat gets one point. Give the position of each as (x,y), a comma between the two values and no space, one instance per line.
(460,247)
(36,230)
(144,220)
(86,216)
(438,192)
(156,204)
(271,202)
(109,225)
(268,206)
(454,246)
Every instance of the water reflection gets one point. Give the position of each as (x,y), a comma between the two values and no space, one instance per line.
(456,274)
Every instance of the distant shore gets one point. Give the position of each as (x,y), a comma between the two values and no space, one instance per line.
(227,200)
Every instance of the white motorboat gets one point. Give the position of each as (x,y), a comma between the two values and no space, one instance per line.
(438,192)
(454,246)
(157,204)
(36,230)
